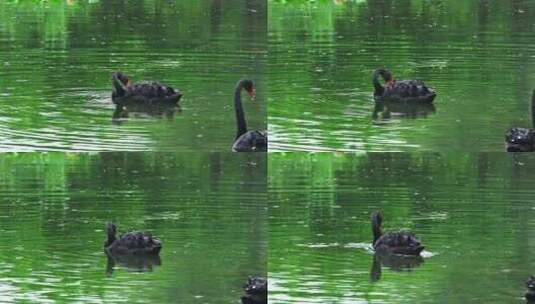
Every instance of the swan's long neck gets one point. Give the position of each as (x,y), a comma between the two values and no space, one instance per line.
(240,117)
(533,109)
(119,87)
(376,228)
(111,239)
(379,89)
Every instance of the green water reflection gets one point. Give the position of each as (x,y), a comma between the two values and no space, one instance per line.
(56,60)
(473,212)
(209,210)
(478,55)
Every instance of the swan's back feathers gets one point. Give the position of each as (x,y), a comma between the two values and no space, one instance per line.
(400,242)
(252,141)
(136,243)
(413,91)
(143,92)
(151,89)
(409,90)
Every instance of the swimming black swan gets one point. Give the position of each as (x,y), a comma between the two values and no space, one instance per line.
(522,139)
(247,141)
(130,243)
(146,92)
(400,91)
(255,291)
(399,242)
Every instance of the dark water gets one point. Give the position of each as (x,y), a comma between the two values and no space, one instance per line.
(478,55)
(209,210)
(56,60)
(473,212)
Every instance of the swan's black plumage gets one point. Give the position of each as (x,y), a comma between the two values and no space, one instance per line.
(255,291)
(530,285)
(135,242)
(522,139)
(145,92)
(246,141)
(398,242)
(400,90)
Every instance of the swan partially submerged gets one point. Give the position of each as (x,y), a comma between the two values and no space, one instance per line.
(125,92)
(395,242)
(130,243)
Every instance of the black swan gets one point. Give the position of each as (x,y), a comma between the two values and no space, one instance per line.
(146,92)
(247,141)
(135,243)
(399,242)
(530,284)
(522,139)
(410,91)
(255,291)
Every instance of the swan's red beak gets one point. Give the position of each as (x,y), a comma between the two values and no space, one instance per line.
(252,93)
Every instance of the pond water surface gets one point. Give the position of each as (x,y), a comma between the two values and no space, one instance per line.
(478,55)
(57,57)
(474,213)
(209,211)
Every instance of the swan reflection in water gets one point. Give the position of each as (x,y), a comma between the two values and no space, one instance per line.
(387,109)
(134,263)
(121,113)
(395,262)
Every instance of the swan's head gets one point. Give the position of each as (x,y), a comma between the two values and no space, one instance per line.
(122,78)
(111,229)
(520,140)
(248,86)
(386,74)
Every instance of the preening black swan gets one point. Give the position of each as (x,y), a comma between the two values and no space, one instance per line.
(522,139)
(247,141)
(400,90)
(135,242)
(530,284)
(145,92)
(399,242)
(255,291)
